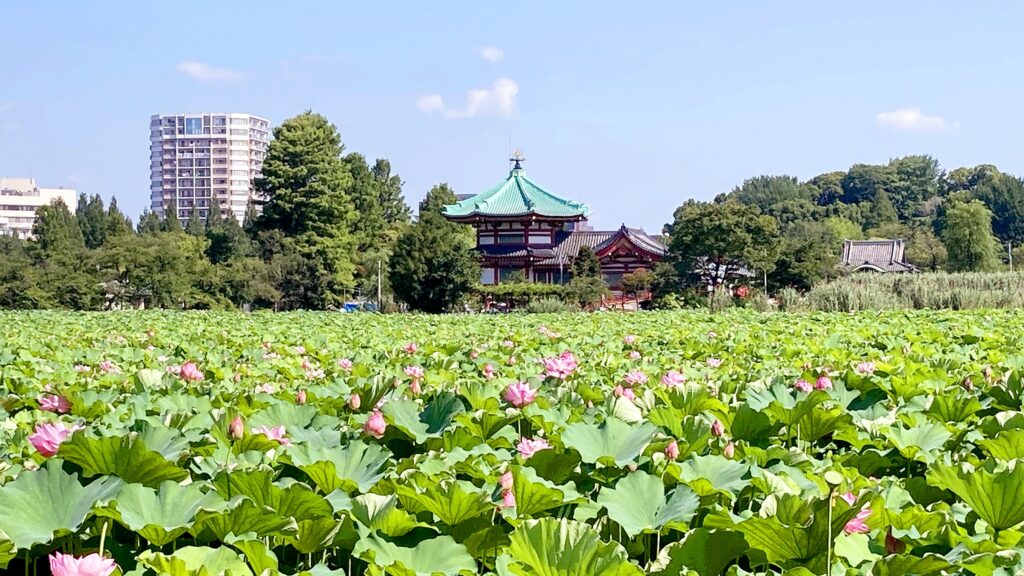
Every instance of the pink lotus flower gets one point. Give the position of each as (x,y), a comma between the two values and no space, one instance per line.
(266,388)
(634,355)
(561,366)
(866,368)
(191,373)
(672,450)
(314,374)
(414,372)
(802,385)
(621,392)
(712,334)
(300,350)
(857,525)
(635,377)
(411,348)
(48,437)
(354,402)
(271,356)
(415,388)
(673,379)
(628,340)
(375,425)
(729,451)
(520,394)
(276,433)
(345,364)
(508,344)
(528,447)
(823,383)
(968,384)
(173,369)
(91,565)
(508,499)
(54,403)
(511,360)
(507,480)
(473,354)
(488,371)
(82,368)
(306,365)
(109,367)
(300,398)
(237,428)
(714,362)
(717,429)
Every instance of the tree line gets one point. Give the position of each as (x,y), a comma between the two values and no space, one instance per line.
(328,226)
(792,232)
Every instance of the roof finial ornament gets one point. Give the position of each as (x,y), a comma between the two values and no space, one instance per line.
(518,159)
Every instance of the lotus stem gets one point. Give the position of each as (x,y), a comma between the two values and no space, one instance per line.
(828,567)
(103,535)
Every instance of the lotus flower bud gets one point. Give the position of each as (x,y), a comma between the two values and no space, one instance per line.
(354,401)
(968,384)
(300,398)
(729,451)
(717,429)
(672,450)
(506,480)
(893,545)
(237,428)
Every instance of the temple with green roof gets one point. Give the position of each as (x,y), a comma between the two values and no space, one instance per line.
(523,228)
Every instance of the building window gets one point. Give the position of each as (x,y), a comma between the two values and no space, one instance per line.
(507,274)
(515,238)
(193,125)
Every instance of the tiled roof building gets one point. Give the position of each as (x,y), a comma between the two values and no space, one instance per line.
(875,256)
(521,227)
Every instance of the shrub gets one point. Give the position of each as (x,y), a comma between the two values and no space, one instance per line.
(549,306)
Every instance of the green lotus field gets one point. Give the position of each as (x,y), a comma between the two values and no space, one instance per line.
(547,445)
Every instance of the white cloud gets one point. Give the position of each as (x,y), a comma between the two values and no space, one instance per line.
(912,120)
(430,103)
(203,71)
(498,100)
(492,54)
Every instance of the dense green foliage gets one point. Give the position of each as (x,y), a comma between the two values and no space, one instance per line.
(434,266)
(673,443)
(325,234)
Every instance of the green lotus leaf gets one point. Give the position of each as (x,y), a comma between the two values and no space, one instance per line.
(855,549)
(440,555)
(551,465)
(921,442)
(38,506)
(614,441)
(906,565)
(242,515)
(997,496)
(292,416)
(149,378)
(7,550)
(355,466)
(550,547)
(782,404)
(314,534)
(259,557)
(953,407)
(126,457)
(321,570)
(162,515)
(1008,445)
(638,504)
(799,530)
(713,473)
(296,501)
(452,501)
(381,513)
(196,561)
(706,552)
(435,418)
(535,494)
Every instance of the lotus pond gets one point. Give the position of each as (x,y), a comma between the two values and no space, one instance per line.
(575,445)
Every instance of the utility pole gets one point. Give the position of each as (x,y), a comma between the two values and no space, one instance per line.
(380,306)
(765,270)
(1009,253)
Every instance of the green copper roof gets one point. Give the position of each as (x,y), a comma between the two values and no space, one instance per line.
(516,196)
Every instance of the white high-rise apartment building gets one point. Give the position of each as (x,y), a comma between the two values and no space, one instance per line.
(19,200)
(205,161)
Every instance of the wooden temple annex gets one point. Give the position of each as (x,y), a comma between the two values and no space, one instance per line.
(523,228)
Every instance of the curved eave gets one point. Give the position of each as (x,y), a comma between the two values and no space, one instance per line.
(478,217)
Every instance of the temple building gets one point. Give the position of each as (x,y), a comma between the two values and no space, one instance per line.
(523,228)
(875,256)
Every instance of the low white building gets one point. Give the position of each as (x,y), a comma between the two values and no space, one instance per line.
(19,200)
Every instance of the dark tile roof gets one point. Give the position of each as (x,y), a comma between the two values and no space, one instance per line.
(567,245)
(877,255)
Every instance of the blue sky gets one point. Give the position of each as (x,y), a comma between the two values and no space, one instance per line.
(630,107)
